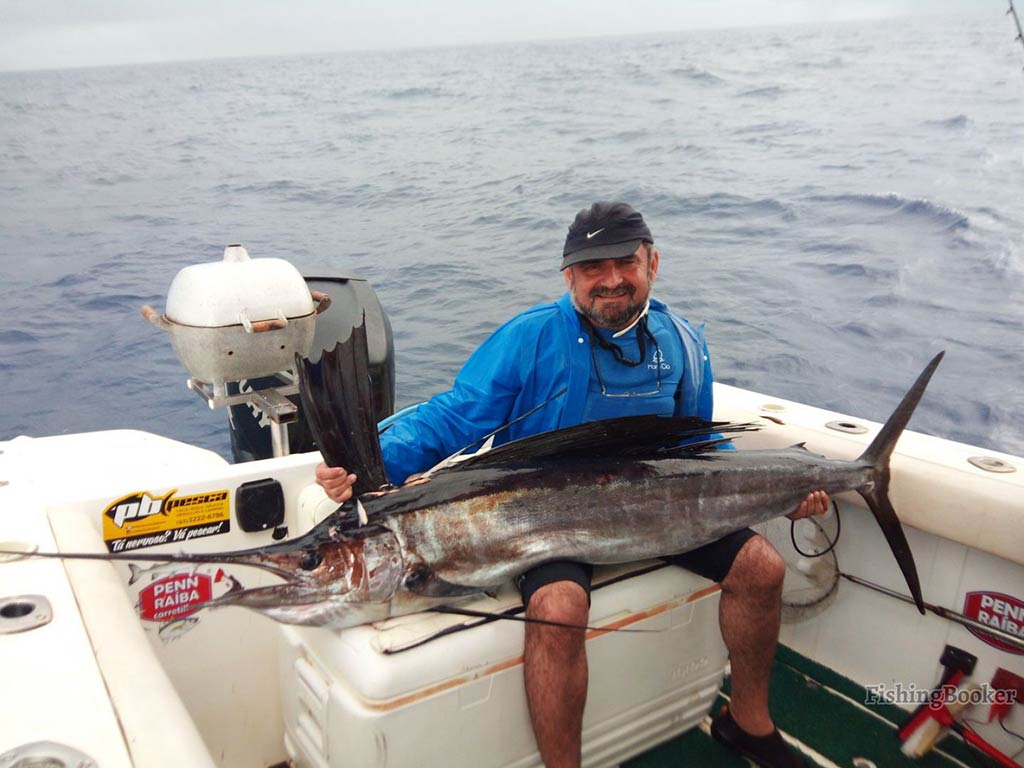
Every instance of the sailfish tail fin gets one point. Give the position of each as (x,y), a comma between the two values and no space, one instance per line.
(338,402)
(876,492)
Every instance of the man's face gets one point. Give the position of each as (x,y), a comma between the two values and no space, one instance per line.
(611,292)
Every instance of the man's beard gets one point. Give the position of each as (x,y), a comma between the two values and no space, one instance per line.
(612,318)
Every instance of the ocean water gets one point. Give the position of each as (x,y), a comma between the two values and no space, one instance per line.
(836,202)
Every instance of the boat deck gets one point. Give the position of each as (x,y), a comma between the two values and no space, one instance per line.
(826,714)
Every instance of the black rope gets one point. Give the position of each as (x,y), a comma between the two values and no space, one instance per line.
(832,544)
(615,349)
(969,724)
(1014,734)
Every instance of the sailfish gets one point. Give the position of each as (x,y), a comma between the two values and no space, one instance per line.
(601,492)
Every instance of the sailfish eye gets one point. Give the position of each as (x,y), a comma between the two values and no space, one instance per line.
(310,560)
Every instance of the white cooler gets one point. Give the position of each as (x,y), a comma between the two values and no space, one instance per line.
(458,699)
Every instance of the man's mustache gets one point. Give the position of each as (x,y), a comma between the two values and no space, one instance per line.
(624,288)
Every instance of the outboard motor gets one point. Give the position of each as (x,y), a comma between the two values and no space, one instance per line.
(237,324)
(352,299)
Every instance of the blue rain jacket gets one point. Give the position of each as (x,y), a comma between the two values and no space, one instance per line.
(524,363)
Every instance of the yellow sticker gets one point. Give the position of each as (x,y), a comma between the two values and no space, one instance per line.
(143,519)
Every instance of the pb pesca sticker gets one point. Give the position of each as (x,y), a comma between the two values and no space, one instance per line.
(142,519)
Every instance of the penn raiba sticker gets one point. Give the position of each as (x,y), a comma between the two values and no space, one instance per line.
(143,519)
(169,596)
(998,610)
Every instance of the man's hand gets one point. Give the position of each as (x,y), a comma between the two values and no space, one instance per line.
(336,481)
(816,503)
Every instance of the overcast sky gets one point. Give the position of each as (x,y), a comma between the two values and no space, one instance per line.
(47,34)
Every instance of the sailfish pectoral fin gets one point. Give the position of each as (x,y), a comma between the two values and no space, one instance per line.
(420,579)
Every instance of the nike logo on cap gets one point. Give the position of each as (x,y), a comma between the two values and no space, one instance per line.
(597,232)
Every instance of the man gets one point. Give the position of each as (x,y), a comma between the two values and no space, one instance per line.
(616,352)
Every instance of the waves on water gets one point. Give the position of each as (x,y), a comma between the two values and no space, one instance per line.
(830,200)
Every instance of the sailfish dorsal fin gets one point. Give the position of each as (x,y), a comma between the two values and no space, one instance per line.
(338,403)
(629,436)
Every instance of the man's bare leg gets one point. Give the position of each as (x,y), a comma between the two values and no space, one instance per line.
(555,670)
(749,614)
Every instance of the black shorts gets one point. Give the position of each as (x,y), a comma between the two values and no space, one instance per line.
(712,561)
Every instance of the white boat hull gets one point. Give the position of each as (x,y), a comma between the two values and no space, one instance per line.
(239,690)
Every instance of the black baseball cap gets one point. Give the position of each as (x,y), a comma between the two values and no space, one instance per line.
(604,231)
